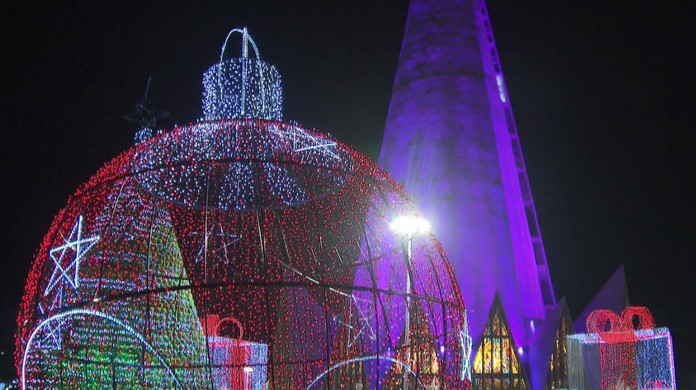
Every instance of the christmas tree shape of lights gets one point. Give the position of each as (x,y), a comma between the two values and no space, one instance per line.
(139,236)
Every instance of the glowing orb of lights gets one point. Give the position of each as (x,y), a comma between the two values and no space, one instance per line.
(238,252)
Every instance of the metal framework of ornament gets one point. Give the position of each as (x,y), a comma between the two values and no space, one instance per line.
(279,227)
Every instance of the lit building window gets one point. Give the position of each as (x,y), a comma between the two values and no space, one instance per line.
(497,365)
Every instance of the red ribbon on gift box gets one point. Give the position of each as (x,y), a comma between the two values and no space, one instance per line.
(613,328)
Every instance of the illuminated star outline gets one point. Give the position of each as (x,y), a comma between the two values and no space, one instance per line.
(465,343)
(53,338)
(222,247)
(362,320)
(80,246)
(303,141)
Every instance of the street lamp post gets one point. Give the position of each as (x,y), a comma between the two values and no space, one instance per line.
(407,226)
(407,336)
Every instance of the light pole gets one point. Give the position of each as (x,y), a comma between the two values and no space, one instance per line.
(407,226)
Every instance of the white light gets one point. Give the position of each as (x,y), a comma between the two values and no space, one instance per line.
(303,141)
(248,369)
(242,87)
(70,271)
(409,224)
(501,88)
(353,327)
(465,343)
(377,358)
(520,351)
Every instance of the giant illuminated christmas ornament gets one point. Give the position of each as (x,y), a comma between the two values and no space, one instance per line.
(244,252)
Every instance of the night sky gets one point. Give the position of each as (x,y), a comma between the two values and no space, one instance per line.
(600,94)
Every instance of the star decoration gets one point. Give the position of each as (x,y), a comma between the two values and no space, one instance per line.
(303,141)
(465,344)
(362,327)
(219,248)
(67,267)
(143,115)
(53,338)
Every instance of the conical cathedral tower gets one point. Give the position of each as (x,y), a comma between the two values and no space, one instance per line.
(451,139)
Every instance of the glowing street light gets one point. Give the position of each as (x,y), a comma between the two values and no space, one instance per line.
(408,226)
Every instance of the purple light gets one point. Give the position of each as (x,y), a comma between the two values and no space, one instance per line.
(451,139)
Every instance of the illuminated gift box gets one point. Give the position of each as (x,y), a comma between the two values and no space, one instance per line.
(621,352)
(236,363)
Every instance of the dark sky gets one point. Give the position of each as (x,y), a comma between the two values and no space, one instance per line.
(600,94)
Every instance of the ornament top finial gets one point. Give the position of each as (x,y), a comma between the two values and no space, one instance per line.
(242,87)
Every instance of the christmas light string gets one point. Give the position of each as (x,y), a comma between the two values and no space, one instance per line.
(243,216)
(621,351)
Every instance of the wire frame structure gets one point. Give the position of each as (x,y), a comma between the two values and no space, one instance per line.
(240,252)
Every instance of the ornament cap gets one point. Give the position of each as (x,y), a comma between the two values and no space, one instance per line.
(242,87)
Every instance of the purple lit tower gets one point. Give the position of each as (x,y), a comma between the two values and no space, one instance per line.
(451,139)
